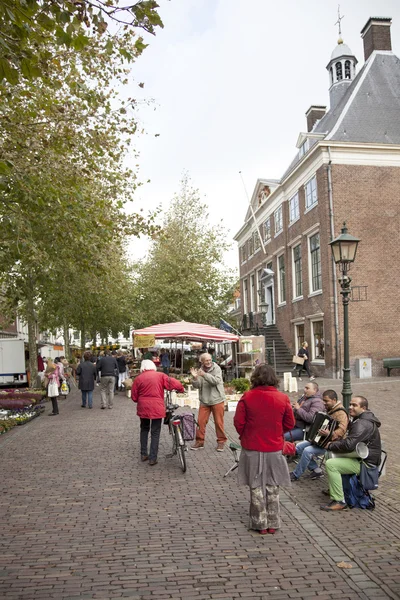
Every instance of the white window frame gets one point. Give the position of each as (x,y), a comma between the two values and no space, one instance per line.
(243,254)
(258,289)
(245,297)
(296,337)
(310,273)
(320,361)
(304,147)
(294,198)
(267,237)
(295,296)
(280,301)
(279,211)
(256,241)
(311,193)
(252,291)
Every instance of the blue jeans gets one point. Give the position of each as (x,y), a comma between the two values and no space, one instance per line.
(89,395)
(307,452)
(295,435)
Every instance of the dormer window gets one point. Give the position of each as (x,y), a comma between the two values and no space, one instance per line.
(339,71)
(347,69)
(304,147)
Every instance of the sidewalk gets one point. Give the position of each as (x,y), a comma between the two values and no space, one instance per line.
(83,518)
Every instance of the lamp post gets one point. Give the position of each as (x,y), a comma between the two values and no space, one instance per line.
(344,249)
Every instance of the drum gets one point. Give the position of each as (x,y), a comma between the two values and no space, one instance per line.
(321,421)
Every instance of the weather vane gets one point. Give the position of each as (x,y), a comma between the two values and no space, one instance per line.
(339,21)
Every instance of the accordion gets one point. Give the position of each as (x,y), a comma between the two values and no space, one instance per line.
(321,421)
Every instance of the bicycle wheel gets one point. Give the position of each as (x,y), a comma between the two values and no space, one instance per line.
(180,449)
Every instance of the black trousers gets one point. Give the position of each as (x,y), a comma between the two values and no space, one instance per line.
(55,405)
(305,366)
(155,427)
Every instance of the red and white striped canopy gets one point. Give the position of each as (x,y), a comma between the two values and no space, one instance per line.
(188,331)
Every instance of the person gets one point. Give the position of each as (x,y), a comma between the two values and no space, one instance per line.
(304,353)
(208,380)
(147,355)
(263,415)
(87,377)
(364,427)
(148,392)
(304,411)
(165,362)
(108,367)
(335,409)
(211,351)
(116,374)
(52,376)
(40,363)
(121,360)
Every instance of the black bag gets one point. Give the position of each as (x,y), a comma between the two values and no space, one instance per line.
(369,476)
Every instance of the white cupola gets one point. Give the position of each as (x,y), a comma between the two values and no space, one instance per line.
(342,71)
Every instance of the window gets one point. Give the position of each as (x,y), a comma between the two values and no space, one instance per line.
(256,241)
(250,244)
(339,71)
(347,70)
(298,272)
(304,147)
(315,259)
(259,290)
(318,342)
(311,192)
(278,220)
(243,253)
(294,210)
(281,279)
(299,332)
(267,229)
(252,292)
(245,296)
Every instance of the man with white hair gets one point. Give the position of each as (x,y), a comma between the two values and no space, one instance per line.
(208,380)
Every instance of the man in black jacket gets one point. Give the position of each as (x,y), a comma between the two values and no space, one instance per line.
(109,370)
(363,428)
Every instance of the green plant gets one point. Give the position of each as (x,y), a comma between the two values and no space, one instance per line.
(241,384)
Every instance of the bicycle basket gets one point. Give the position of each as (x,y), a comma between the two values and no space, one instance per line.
(188,427)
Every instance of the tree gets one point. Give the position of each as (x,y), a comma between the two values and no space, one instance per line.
(184,277)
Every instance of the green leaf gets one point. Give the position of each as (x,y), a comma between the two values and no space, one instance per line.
(8,72)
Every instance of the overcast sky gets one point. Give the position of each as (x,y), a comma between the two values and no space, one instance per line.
(231,81)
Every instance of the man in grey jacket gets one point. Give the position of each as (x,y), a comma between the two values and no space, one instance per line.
(208,380)
(109,368)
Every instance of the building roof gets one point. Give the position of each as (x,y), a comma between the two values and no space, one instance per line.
(341,50)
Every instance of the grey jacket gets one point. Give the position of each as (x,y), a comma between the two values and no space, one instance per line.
(211,386)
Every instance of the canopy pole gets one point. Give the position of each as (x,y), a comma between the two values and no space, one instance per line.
(182,358)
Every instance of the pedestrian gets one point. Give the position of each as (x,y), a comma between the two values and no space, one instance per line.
(263,415)
(121,360)
(109,370)
(52,383)
(148,392)
(208,380)
(165,362)
(304,353)
(87,377)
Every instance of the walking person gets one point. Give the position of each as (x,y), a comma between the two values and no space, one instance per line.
(87,376)
(52,382)
(109,369)
(208,380)
(148,392)
(121,360)
(304,353)
(262,416)
(165,362)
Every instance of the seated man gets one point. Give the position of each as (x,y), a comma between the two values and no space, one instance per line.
(363,428)
(307,451)
(304,411)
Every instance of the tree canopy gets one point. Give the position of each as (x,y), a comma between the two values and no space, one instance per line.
(184,277)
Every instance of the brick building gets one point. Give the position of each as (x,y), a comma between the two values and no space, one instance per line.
(347,168)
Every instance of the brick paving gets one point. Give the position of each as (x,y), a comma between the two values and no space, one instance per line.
(82,517)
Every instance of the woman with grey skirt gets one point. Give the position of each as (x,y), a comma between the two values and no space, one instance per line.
(262,416)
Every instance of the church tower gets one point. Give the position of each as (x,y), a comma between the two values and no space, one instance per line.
(342,71)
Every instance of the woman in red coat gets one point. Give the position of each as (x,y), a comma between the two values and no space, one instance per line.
(148,391)
(262,416)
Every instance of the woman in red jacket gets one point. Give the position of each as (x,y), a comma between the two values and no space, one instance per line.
(148,391)
(262,416)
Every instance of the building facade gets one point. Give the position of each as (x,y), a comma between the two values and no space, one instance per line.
(347,169)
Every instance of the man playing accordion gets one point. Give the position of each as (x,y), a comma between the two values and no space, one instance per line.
(308,451)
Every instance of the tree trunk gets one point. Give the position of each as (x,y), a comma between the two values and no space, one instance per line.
(94,337)
(32,345)
(66,341)
(83,336)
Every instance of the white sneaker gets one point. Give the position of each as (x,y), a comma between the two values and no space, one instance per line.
(300,379)
(312,378)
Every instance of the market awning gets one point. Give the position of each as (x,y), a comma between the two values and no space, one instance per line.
(187,331)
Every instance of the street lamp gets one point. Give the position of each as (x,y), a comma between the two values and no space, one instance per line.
(344,249)
(263,306)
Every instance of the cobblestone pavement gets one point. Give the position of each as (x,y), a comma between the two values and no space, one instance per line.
(82,517)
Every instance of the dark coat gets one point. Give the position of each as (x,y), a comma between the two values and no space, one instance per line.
(87,375)
(362,429)
(108,366)
(121,360)
(262,416)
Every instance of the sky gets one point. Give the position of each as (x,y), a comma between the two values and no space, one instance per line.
(229,83)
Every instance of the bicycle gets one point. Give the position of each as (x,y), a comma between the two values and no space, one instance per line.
(174,423)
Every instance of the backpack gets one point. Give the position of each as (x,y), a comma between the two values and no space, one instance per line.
(354,494)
